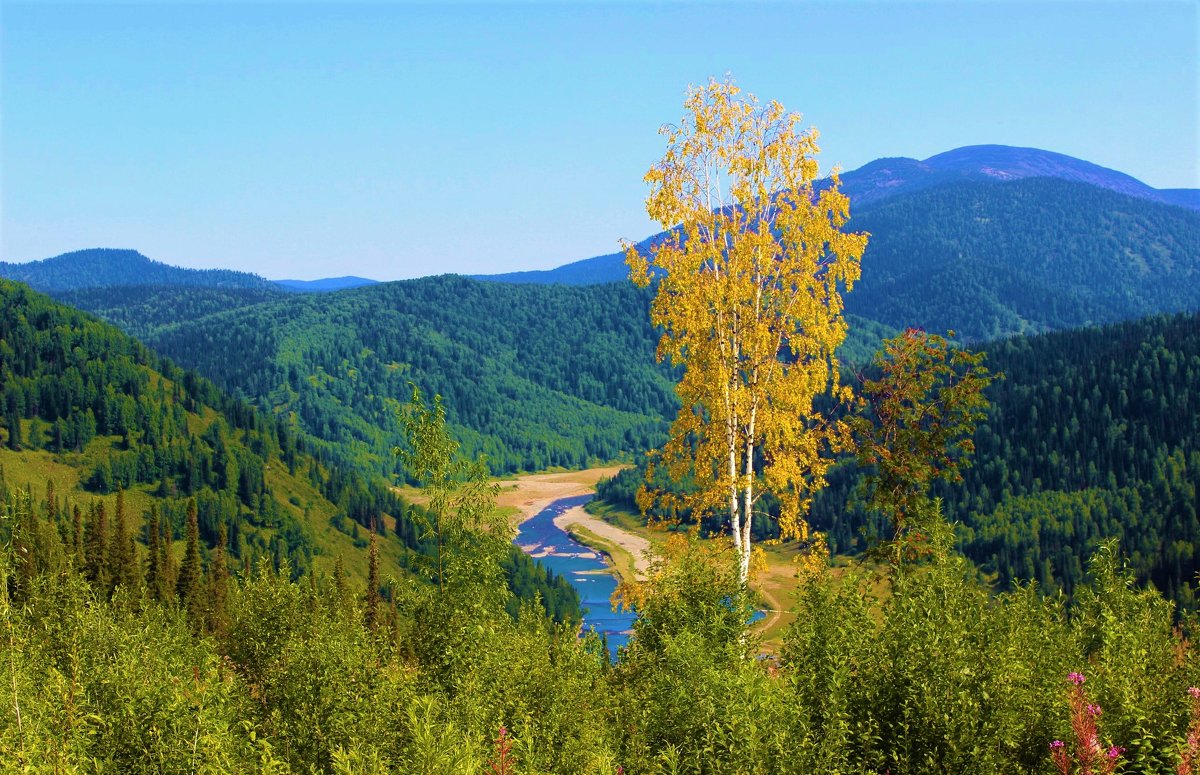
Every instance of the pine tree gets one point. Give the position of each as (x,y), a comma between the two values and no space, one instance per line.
(190,585)
(218,576)
(154,574)
(96,545)
(122,563)
(372,597)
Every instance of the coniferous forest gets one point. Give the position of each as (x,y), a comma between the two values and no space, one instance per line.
(247,530)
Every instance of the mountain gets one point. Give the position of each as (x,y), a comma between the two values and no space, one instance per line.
(87,412)
(991,258)
(324,284)
(107,267)
(885,179)
(995,259)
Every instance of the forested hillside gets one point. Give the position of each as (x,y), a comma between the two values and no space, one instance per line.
(90,415)
(1091,434)
(991,258)
(554,376)
(107,267)
(141,310)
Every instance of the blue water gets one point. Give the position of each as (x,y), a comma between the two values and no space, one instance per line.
(584,567)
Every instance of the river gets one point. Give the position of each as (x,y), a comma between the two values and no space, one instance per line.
(584,567)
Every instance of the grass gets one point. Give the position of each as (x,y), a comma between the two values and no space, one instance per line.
(618,558)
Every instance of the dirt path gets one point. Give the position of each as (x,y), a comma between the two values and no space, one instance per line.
(636,545)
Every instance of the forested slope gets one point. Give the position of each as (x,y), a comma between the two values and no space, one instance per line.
(86,413)
(107,267)
(990,260)
(1091,434)
(531,376)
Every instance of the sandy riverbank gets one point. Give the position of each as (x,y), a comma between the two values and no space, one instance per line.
(635,545)
(531,493)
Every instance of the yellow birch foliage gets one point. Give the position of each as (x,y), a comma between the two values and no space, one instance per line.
(750,278)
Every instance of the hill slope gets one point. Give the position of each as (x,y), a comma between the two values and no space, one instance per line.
(95,411)
(990,260)
(86,411)
(888,179)
(106,267)
(533,376)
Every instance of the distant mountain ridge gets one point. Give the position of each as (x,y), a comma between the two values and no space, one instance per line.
(325,284)
(109,267)
(885,178)
(888,178)
(117,268)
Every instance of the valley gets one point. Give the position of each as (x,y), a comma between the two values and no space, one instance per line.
(216,464)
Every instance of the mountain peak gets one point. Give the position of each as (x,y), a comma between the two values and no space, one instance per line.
(1006,162)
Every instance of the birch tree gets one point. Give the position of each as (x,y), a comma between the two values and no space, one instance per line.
(750,275)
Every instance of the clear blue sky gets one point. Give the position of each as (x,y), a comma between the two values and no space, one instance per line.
(395,140)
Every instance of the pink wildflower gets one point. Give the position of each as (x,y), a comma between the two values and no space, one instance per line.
(1076,678)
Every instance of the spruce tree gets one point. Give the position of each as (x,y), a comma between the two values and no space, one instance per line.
(372,598)
(122,563)
(12,421)
(96,545)
(218,576)
(154,574)
(190,585)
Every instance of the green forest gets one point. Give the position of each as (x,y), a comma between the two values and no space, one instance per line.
(1091,434)
(154,620)
(990,260)
(562,376)
(89,412)
(919,669)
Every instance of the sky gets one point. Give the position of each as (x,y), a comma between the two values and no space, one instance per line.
(394,140)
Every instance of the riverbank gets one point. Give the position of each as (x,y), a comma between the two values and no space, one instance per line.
(627,545)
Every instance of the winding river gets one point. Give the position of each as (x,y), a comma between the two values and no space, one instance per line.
(584,567)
